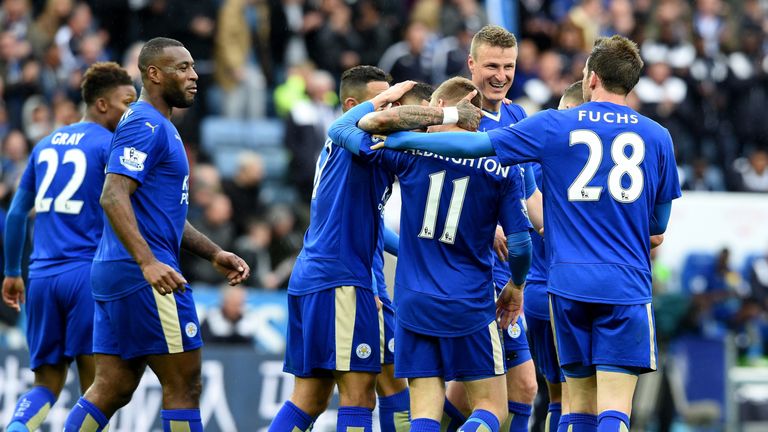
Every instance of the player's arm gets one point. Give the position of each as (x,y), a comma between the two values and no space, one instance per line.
(226,263)
(660,218)
(510,302)
(15,233)
(452,144)
(391,241)
(410,117)
(533,199)
(116,202)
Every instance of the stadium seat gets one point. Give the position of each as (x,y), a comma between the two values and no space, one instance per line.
(696,270)
(218,132)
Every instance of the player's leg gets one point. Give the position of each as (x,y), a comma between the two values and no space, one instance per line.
(545,357)
(488,398)
(357,342)
(394,401)
(426,408)
(521,391)
(565,414)
(307,350)
(625,346)
(614,400)
(572,329)
(483,374)
(45,339)
(456,407)
(115,381)
(394,397)
(180,377)
(86,371)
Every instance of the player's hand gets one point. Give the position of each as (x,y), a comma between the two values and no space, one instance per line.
(509,305)
(379,305)
(163,278)
(231,266)
(392,94)
(500,244)
(13,292)
(469,115)
(657,240)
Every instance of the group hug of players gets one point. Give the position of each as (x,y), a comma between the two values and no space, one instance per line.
(561,205)
(561,208)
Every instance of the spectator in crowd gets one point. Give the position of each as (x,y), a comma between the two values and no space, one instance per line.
(373,31)
(253,248)
(752,173)
(225,325)
(409,60)
(15,151)
(702,176)
(43,30)
(284,248)
(305,131)
(335,45)
(15,17)
(235,69)
(216,224)
(244,190)
(758,280)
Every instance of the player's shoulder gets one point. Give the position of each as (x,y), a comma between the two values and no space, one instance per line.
(514,110)
(141,115)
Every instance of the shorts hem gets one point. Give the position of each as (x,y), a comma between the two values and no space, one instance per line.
(146,352)
(519,360)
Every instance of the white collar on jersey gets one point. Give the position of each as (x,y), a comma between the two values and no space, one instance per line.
(495,117)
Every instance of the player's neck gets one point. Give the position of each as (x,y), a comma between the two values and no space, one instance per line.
(158,102)
(492,106)
(93,118)
(602,95)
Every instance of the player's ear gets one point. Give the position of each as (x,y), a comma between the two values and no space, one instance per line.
(153,73)
(396,103)
(440,103)
(470,63)
(349,103)
(101,105)
(593,79)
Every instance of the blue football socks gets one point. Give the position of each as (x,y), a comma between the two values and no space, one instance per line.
(394,411)
(31,410)
(85,417)
(181,420)
(289,418)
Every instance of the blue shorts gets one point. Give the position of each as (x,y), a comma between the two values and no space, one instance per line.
(472,357)
(597,334)
(388,329)
(544,351)
(516,350)
(60,317)
(145,323)
(333,330)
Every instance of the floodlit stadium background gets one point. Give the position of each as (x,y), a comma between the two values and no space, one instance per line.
(268,73)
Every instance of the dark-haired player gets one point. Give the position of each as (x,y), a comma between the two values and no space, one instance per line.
(62,182)
(144,313)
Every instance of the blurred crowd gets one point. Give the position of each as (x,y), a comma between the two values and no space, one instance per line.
(704,79)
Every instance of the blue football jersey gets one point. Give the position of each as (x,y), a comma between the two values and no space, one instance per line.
(378,260)
(147,148)
(444,280)
(604,168)
(508,115)
(66,173)
(344,226)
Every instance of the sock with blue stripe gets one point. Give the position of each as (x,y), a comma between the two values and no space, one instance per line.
(452,417)
(31,410)
(553,417)
(425,425)
(85,417)
(517,420)
(562,425)
(289,418)
(581,422)
(394,412)
(178,420)
(354,419)
(481,421)
(612,421)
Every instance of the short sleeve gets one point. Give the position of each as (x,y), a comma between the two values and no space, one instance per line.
(522,142)
(513,216)
(137,147)
(28,178)
(669,183)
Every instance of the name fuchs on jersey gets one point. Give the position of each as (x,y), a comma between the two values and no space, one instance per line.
(490,165)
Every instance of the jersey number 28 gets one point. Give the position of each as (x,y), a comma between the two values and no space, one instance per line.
(579,191)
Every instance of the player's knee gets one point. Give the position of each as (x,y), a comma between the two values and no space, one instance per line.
(311,406)
(358,397)
(523,389)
